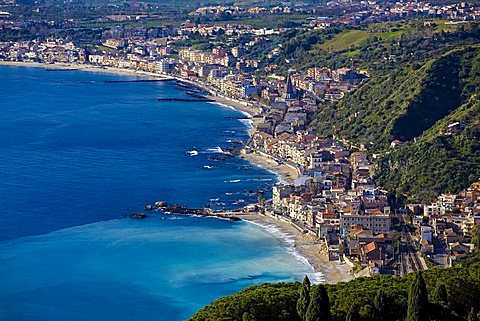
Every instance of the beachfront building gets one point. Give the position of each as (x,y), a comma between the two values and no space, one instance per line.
(279,193)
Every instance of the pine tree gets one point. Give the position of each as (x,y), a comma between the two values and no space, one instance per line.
(418,300)
(440,294)
(352,314)
(319,307)
(248,317)
(304,299)
(472,315)
(380,305)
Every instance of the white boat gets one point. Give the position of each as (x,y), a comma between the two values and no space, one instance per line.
(192,153)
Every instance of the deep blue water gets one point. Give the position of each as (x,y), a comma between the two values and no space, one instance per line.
(76,154)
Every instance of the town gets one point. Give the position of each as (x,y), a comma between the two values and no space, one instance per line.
(334,198)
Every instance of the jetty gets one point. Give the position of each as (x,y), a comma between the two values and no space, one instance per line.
(187,100)
(184,210)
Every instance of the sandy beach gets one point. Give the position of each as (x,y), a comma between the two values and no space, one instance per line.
(286,174)
(308,247)
(237,104)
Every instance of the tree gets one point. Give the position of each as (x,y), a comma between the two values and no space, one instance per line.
(440,294)
(418,300)
(380,305)
(248,317)
(472,315)
(352,314)
(319,307)
(304,299)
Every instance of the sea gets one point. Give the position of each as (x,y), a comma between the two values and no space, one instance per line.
(79,152)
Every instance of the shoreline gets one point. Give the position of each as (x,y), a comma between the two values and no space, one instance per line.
(85,67)
(285,173)
(305,246)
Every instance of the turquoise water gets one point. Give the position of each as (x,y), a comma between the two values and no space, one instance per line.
(76,154)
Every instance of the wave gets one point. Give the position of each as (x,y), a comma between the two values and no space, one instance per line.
(247,122)
(244,113)
(288,241)
(278,177)
(217,149)
(233,181)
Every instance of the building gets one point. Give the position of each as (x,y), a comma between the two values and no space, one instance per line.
(290,92)
(238,51)
(426,233)
(375,220)
(280,192)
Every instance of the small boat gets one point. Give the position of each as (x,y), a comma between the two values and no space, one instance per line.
(192,153)
(138,215)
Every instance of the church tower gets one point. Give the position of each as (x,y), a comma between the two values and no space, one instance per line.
(290,92)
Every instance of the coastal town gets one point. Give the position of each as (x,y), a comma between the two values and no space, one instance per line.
(330,197)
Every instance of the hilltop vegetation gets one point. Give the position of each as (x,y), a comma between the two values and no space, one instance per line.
(452,293)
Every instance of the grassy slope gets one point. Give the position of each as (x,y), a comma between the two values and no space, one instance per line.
(355,38)
(346,40)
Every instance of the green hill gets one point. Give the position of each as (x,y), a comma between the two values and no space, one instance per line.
(405,102)
(414,103)
(277,302)
(436,162)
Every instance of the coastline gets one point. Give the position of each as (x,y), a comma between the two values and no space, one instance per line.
(285,173)
(85,67)
(307,247)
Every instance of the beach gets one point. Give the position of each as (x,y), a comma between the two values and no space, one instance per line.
(286,174)
(306,246)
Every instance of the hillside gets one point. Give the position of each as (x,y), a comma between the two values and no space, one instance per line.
(277,302)
(436,162)
(414,100)
(405,102)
